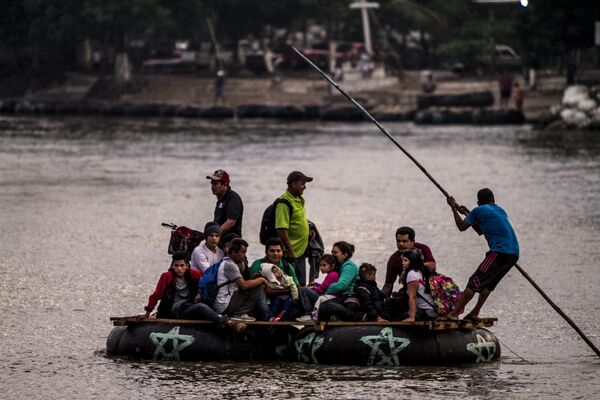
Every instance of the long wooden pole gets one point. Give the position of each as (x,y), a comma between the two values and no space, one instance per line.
(414,160)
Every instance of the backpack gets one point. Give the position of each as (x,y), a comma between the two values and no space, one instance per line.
(445,293)
(183,239)
(207,284)
(267,224)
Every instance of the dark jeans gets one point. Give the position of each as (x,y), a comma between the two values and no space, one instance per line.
(262,312)
(313,268)
(396,306)
(335,307)
(279,304)
(243,301)
(308,297)
(300,267)
(198,311)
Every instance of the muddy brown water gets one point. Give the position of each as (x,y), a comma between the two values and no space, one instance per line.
(82,199)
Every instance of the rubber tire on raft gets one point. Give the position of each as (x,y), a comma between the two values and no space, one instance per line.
(171,342)
(394,346)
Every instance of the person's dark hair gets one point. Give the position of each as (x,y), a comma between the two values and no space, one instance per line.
(415,257)
(274,241)
(227,238)
(236,245)
(328,258)
(405,230)
(345,248)
(366,269)
(180,256)
(485,196)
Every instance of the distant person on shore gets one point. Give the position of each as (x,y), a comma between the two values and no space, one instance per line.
(428,84)
(405,240)
(505,82)
(219,87)
(491,220)
(229,208)
(292,224)
(519,96)
(277,77)
(208,253)
(365,65)
(338,72)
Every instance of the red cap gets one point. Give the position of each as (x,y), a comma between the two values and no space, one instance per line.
(219,175)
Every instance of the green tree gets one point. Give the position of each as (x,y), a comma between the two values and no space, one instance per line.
(115,22)
(554,29)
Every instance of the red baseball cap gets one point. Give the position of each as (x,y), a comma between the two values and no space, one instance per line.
(219,175)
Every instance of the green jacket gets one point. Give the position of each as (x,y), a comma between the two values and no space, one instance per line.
(347,280)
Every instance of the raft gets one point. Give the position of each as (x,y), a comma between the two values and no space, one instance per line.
(346,343)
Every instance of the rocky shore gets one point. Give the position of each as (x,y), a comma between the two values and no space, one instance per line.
(579,109)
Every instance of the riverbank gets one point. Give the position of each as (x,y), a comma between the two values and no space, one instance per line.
(305,96)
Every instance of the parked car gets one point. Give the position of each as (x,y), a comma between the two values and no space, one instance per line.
(505,58)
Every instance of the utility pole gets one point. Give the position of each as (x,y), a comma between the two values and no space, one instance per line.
(364,6)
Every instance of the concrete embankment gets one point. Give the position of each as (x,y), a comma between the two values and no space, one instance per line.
(455,101)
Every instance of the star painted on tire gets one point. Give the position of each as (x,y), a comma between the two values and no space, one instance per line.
(385,347)
(180,342)
(483,349)
(307,346)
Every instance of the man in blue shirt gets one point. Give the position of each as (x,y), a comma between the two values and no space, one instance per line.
(490,220)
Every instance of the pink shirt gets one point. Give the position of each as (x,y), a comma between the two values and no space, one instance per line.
(330,279)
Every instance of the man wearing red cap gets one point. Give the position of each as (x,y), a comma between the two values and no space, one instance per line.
(229,208)
(292,224)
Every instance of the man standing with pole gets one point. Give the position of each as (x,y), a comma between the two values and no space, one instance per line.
(490,220)
(463,210)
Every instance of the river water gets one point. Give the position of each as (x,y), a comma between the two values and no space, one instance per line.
(82,199)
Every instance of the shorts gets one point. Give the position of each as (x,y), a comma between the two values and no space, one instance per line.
(491,271)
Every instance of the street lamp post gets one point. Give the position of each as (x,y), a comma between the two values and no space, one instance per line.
(364,6)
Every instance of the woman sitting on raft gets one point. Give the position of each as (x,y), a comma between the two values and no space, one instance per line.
(421,306)
(344,287)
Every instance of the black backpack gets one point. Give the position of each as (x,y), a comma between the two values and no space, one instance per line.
(183,239)
(267,224)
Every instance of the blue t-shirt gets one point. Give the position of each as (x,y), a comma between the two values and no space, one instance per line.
(498,232)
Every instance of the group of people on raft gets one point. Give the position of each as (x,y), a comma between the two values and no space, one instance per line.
(274,288)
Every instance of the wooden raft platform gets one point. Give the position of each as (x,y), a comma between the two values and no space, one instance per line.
(441,325)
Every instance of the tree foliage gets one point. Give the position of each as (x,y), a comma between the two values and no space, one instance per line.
(43,36)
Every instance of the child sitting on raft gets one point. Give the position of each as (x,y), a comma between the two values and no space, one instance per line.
(368,296)
(310,301)
(278,280)
(326,266)
(421,306)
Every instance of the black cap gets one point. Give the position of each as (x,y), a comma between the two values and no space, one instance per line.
(298,176)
